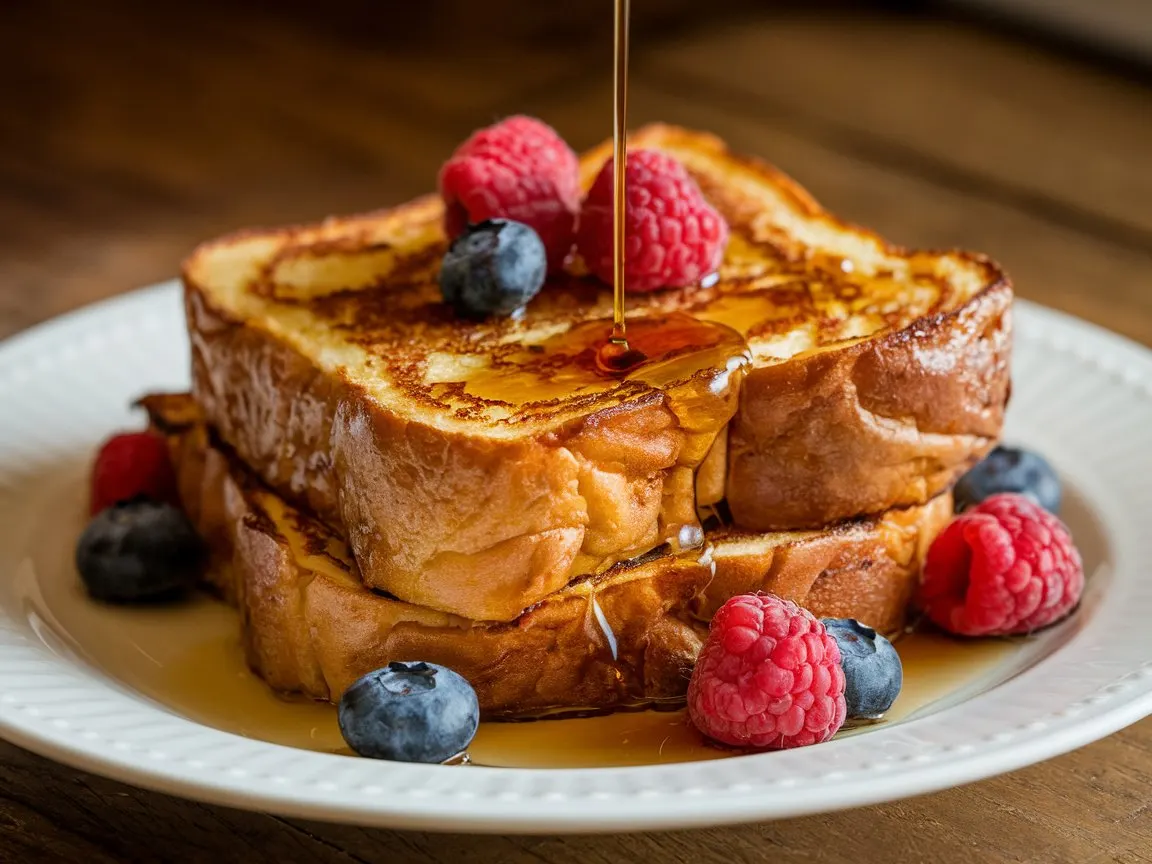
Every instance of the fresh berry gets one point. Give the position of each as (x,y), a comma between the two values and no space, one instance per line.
(132,464)
(138,550)
(409,712)
(673,237)
(493,268)
(873,673)
(1006,566)
(1009,469)
(768,677)
(518,169)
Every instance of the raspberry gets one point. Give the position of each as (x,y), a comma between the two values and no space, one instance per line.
(673,237)
(129,465)
(1004,567)
(768,677)
(518,169)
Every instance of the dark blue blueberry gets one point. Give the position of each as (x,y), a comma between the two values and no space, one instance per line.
(409,712)
(1009,469)
(139,550)
(873,674)
(493,268)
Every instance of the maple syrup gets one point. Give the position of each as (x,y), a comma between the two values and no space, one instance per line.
(189,659)
(619,175)
(673,353)
(626,350)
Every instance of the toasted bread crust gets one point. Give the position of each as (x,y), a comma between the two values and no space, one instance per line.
(866,569)
(887,422)
(310,627)
(448,516)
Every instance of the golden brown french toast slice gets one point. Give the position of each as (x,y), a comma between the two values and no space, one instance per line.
(473,471)
(625,638)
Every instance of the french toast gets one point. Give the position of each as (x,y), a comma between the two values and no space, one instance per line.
(476,469)
(623,638)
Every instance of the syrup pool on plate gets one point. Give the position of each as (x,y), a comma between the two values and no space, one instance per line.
(188,659)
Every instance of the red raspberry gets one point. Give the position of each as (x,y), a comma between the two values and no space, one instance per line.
(518,169)
(132,464)
(769,676)
(673,237)
(1006,566)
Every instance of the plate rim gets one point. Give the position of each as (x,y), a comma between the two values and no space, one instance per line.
(692,805)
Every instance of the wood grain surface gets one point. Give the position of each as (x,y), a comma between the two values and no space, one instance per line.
(129,131)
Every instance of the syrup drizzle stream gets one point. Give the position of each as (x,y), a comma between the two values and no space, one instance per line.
(605,627)
(620,160)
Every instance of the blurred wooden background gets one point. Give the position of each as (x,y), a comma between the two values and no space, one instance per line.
(130,130)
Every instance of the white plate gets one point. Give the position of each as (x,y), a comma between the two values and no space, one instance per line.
(1082,396)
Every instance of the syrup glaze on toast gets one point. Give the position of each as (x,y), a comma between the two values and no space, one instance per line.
(794,280)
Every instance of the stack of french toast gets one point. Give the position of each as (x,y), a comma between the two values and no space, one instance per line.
(379,479)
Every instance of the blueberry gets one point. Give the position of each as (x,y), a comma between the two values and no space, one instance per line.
(873,673)
(409,712)
(1009,469)
(139,550)
(493,268)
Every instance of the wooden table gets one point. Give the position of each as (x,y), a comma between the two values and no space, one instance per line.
(129,132)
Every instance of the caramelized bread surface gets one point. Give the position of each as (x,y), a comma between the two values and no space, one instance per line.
(472,474)
(628,637)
